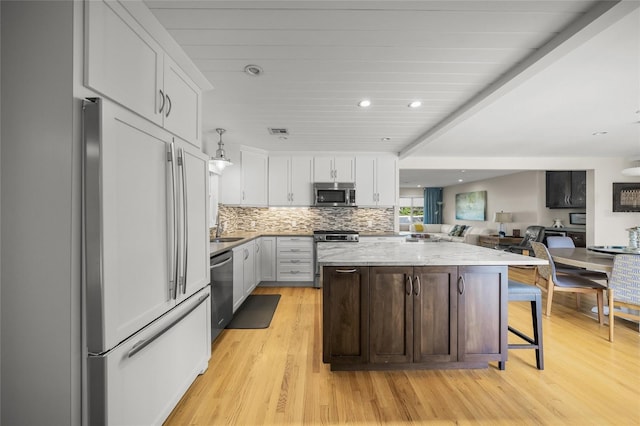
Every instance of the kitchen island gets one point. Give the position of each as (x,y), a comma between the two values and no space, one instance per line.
(420,305)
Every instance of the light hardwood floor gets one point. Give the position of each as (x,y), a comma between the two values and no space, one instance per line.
(276,376)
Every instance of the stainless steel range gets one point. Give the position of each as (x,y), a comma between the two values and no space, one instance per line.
(331,236)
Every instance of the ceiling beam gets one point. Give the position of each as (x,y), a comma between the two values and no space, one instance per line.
(600,16)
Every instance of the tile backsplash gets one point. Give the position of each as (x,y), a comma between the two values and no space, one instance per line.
(288,219)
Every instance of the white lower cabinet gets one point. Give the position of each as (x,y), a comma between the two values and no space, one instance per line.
(148,373)
(295,259)
(244,274)
(266,260)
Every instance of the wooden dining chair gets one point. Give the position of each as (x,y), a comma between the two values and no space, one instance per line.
(624,289)
(572,283)
(567,242)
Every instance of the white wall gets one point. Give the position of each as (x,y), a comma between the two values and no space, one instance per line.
(603,225)
(40,293)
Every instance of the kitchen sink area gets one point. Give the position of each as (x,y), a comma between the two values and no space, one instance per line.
(225,239)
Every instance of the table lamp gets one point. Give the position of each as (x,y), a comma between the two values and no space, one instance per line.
(501,218)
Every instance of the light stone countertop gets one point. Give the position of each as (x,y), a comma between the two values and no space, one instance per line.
(417,254)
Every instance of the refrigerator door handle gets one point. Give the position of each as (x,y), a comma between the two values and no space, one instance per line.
(173,262)
(185,214)
(140,345)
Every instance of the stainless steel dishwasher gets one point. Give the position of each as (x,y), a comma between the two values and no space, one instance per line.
(221,292)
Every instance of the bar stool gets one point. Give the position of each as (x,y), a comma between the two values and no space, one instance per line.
(519,292)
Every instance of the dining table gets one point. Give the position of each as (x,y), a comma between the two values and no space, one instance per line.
(582,257)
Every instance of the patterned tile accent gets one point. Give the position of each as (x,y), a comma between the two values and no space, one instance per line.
(625,278)
(291,219)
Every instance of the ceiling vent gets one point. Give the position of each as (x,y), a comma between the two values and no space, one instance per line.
(278,131)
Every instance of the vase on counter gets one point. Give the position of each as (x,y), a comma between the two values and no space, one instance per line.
(557,223)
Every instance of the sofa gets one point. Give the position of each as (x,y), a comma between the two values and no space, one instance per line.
(444,232)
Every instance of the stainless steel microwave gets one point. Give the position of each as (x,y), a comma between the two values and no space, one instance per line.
(334,194)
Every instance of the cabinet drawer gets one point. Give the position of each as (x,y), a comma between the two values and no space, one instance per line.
(296,252)
(295,275)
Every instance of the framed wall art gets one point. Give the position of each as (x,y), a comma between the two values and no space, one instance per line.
(471,205)
(626,197)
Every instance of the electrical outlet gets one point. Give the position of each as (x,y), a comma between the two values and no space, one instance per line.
(369,223)
(253,223)
(294,223)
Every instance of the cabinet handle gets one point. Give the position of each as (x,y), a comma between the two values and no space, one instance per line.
(246,254)
(418,286)
(242,195)
(168,106)
(292,196)
(346,271)
(408,286)
(161,97)
(257,248)
(461,284)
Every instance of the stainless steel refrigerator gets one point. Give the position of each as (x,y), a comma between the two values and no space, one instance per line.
(146,298)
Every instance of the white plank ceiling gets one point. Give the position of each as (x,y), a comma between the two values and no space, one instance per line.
(494,77)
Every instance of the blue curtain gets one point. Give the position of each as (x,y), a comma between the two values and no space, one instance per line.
(432,205)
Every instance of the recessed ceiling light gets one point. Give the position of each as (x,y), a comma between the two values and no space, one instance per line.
(418,186)
(599,133)
(415,104)
(385,139)
(253,70)
(460,180)
(364,103)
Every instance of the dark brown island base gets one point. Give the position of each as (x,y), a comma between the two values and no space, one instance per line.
(426,314)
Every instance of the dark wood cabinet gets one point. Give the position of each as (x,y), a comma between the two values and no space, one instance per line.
(412,314)
(566,189)
(417,317)
(579,238)
(345,315)
(482,313)
(435,315)
(493,241)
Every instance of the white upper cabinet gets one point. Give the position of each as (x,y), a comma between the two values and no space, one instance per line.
(290,180)
(245,183)
(333,169)
(126,64)
(254,179)
(182,103)
(376,181)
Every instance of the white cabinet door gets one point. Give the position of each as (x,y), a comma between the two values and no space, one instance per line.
(344,169)
(194,174)
(376,181)
(291,181)
(301,177)
(386,181)
(254,179)
(238,277)
(257,261)
(334,169)
(249,272)
(366,195)
(323,169)
(182,103)
(268,258)
(123,61)
(134,201)
(279,181)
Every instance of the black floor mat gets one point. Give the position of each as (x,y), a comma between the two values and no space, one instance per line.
(256,312)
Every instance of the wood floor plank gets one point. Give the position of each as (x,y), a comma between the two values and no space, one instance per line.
(275,376)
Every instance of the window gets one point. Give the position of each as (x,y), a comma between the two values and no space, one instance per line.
(410,211)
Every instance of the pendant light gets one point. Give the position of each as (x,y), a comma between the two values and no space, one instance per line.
(220,160)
